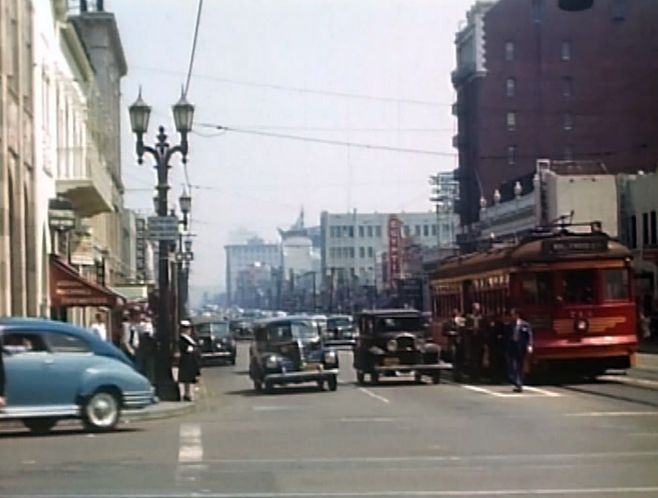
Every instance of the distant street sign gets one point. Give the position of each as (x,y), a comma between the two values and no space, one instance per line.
(163,228)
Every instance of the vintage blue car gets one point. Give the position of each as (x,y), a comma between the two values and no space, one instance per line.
(55,370)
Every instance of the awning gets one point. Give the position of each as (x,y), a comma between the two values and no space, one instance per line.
(132,292)
(68,288)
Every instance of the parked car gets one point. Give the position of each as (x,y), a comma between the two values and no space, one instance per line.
(395,341)
(340,330)
(291,350)
(215,340)
(242,329)
(55,370)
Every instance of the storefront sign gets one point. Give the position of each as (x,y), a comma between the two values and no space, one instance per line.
(394,247)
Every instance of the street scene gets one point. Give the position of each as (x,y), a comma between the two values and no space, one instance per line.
(374,248)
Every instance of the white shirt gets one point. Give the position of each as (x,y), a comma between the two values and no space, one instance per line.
(100,330)
(129,329)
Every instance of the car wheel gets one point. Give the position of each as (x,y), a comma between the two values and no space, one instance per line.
(436,376)
(418,377)
(41,425)
(333,383)
(360,377)
(101,411)
(374,377)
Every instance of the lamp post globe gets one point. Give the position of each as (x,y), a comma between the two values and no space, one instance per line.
(185,203)
(183,115)
(140,112)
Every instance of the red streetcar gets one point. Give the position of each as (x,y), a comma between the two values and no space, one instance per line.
(574,289)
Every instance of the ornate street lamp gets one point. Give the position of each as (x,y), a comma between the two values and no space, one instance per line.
(162,153)
(185,204)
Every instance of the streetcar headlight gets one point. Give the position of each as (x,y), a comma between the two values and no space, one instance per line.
(582,325)
(392,345)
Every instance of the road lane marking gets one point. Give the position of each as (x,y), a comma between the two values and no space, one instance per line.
(373,395)
(631,381)
(535,392)
(615,491)
(614,414)
(276,408)
(368,419)
(190,449)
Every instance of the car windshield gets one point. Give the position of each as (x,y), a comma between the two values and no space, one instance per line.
(217,329)
(400,324)
(339,322)
(302,330)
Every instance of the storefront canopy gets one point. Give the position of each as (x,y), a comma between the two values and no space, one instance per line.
(68,288)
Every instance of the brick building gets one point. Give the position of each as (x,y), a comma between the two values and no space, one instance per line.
(534,82)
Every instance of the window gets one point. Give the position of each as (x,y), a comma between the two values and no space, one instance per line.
(509,51)
(350,232)
(511,121)
(567,122)
(536,288)
(426,230)
(61,343)
(417,232)
(362,231)
(362,252)
(568,153)
(369,231)
(579,286)
(645,229)
(510,87)
(615,284)
(23,342)
(351,252)
(378,231)
(654,238)
(566,51)
(434,227)
(407,231)
(371,252)
(511,155)
(567,86)
(633,232)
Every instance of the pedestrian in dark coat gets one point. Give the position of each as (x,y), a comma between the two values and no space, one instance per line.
(188,365)
(519,343)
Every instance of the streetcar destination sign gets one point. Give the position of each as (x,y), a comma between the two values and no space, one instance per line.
(575,246)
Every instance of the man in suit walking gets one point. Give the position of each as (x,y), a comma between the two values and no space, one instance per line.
(519,344)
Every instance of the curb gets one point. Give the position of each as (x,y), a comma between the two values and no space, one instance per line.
(632,381)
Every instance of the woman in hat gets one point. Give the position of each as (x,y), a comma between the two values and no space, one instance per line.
(188,366)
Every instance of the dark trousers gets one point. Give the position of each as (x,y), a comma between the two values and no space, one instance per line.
(515,362)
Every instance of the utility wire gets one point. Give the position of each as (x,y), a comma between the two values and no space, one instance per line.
(310,91)
(194,40)
(326,141)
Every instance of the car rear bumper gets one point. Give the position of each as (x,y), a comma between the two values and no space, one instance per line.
(216,354)
(302,376)
(416,367)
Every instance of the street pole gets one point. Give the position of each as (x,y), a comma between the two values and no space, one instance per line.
(162,153)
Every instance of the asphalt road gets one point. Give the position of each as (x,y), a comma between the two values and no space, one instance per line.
(397,439)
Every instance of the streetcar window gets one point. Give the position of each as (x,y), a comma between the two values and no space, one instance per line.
(579,286)
(536,288)
(615,284)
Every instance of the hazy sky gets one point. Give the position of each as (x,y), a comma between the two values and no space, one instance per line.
(362,71)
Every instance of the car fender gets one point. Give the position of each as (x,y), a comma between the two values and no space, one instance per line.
(111,373)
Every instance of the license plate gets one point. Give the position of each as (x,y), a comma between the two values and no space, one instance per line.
(388,362)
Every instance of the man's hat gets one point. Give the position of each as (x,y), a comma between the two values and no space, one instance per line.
(185,324)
